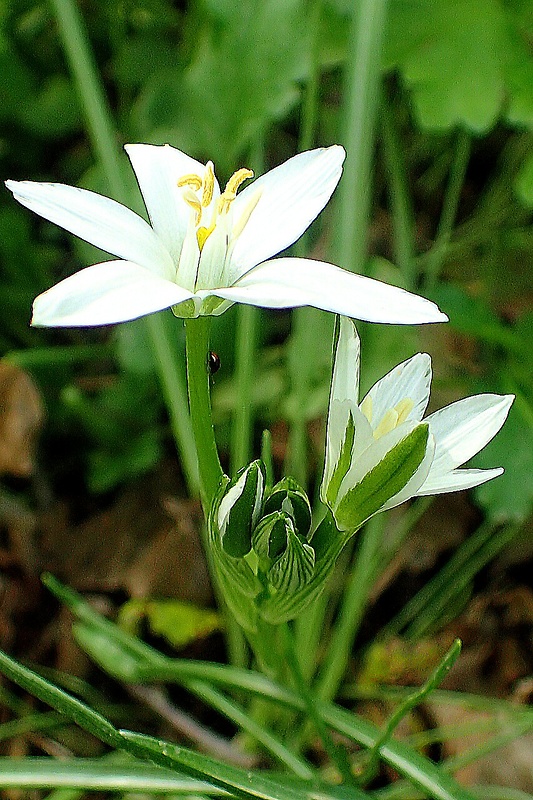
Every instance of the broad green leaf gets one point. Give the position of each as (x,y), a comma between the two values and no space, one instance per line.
(451,55)
(178,621)
(238,81)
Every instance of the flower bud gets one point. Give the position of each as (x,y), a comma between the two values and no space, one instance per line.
(240,508)
(289,497)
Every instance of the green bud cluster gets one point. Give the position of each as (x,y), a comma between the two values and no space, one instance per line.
(262,544)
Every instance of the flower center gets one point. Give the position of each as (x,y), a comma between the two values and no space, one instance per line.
(198,194)
(391,418)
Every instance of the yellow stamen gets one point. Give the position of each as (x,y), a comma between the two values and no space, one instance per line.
(366,407)
(230,192)
(203,233)
(192,200)
(403,409)
(194,181)
(246,214)
(388,422)
(208,184)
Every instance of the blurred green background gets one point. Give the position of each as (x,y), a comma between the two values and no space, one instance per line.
(444,192)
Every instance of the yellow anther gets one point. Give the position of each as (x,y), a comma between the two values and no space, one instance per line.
(203,233)
(403,409)
(230,192)
(388,422)
(208,184)
(194,181)
(366,407)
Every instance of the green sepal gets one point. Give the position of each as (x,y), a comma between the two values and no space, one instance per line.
(295,566)
(343,464)
(269,538)
(239,584)
(288,496)
(382,482)
(240,508)
(283,606)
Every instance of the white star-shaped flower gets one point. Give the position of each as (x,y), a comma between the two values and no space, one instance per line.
(206,249)
(381,452)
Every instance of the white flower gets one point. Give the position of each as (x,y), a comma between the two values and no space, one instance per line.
(206,249)
(381,452)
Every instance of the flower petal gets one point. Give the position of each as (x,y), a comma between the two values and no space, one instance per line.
(458,479)
(102,222)
(158,169)
(292,195)
(290,282)
(462,429)
(106,293)
(411,379)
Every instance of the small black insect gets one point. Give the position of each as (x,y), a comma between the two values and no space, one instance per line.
(213,362)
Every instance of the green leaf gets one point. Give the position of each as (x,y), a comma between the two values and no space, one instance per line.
(178,621)
(238,81)
(383,481)
(451,55)
(63,702)
(252,785)
(98,775)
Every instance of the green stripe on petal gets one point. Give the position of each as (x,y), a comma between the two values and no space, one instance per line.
(384,481)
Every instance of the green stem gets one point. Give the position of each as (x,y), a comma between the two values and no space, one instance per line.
(175,394)
(401,209)
(437,254)
(241,436)
(94,104)
(197,347)
(102,133)
(353,606)
(361,103)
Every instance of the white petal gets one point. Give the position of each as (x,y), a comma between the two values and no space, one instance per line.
(158,169)
(290,282)
(458,479)
(345,381)
(114,291)
(102,222)
(411,379)
(462,429)
(292,195)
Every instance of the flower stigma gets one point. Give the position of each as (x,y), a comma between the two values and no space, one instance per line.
(391,419)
